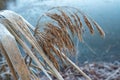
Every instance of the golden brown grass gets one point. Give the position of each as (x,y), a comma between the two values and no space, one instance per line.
(58,37)
(52,41)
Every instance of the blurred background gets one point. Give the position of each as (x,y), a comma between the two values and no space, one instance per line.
(105,12)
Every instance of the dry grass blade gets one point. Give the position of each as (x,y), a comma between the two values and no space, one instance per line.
(76,67)
(9,62)
(15,57)
(17,60)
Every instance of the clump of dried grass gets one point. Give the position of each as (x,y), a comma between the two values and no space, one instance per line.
(58,31)
(58,37)
(52,41)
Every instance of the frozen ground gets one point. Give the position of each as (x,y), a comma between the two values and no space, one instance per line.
(97,71)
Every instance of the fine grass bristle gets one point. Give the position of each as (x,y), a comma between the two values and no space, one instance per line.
(62,39)
(88,23)
(57,18)
(102,33)
(68,21)
(47,51)
(78,26)
(47,47)
(80,23)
